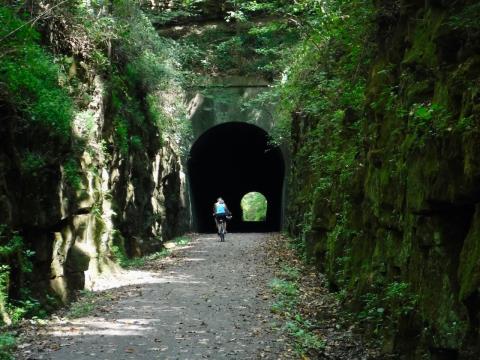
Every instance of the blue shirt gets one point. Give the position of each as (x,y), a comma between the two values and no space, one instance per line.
(220,208)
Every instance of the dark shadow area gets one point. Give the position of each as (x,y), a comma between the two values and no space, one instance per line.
(230,160)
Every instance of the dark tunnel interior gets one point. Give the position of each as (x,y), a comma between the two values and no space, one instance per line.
(229,161)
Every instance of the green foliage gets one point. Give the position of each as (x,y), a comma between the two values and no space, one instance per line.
(254,207)
(13,246)
(324,94)
(32,163)
(121,134)
(429,120)
(242,49)
(136,142)
(284,287)
(287,291)
(47,91)
(298,245)
(467,19)
(465,123)
(287,296)
(170,118)
(84,306)
(386,306)
(183,10)
(144,66)
(290,273)
(230,47)
(321,98)
(119,254)
(305,339)
(87,302)
(71,170)
(7,345)
(27,308)
(156,113)
(147,60)
(182,240)
(13,253)
(141,66)
(31,78)
(341,265)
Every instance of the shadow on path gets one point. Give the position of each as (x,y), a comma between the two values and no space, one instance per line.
(208,303)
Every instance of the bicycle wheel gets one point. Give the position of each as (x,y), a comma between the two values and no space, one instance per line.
(222,231)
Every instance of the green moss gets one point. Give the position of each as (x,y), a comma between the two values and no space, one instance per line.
(121,134)
(469,268)
(72,173)
(467,19)
(32,163)
(99,230)
(423,49)
(31,78)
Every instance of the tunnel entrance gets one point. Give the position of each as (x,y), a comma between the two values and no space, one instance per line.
(229,161)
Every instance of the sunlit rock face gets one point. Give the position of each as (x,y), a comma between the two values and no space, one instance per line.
(75,220)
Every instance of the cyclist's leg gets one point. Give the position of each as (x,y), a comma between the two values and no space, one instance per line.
(221,233)
(222,222)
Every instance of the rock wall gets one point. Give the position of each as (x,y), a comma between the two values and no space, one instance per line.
(398,233)
(133,201)
(113,185)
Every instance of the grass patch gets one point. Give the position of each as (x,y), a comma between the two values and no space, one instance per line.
(84,306)
(182,240)
(287,291)
(290,273)
(87,302)
(305,340)
(284,288)
(142,261)
(125,262)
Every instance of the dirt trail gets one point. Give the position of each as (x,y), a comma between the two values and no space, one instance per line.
(211,302)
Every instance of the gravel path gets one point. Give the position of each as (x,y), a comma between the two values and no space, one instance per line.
(212,302)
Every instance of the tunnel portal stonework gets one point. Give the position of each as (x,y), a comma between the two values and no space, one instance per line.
(232,154)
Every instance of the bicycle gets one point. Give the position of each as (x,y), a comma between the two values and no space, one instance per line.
(221,229)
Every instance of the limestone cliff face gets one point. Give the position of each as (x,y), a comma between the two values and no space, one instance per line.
(133,201)
(408,214)
(112,184)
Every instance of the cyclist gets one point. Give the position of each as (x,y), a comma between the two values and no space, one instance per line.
(220,211)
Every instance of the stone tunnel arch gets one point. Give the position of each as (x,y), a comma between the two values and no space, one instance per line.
(230,160)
